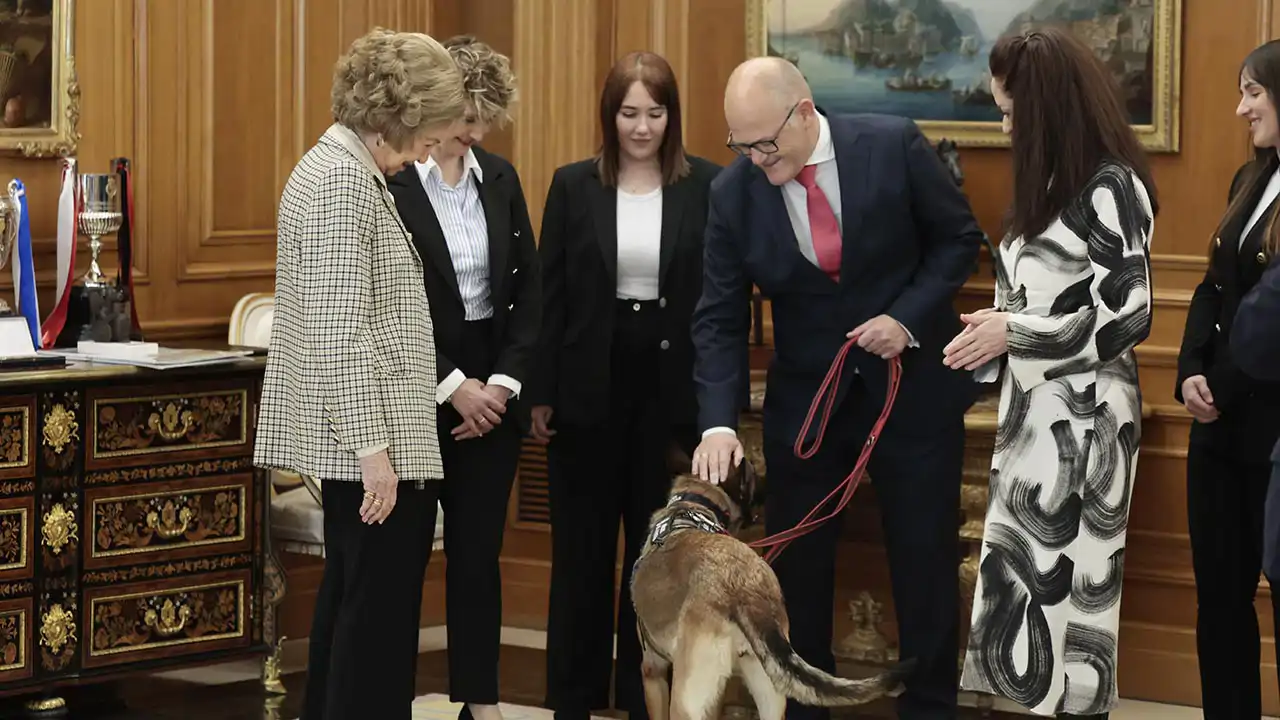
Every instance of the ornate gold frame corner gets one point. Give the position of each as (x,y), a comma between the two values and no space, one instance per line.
(62,137)
(1163,135)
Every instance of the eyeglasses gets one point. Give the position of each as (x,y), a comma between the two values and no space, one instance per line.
(767,146)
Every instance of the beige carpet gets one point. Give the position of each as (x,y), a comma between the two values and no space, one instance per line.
(438,707)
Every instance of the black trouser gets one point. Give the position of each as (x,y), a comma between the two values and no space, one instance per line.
(916,475)
(363,649)
(1225,499)
(478,474)
(598,476)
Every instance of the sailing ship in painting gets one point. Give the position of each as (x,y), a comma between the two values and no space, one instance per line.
(926,59)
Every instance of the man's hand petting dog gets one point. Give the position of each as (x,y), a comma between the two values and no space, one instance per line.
(716,455)
(481,408)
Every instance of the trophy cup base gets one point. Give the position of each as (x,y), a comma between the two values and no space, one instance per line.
(101,313)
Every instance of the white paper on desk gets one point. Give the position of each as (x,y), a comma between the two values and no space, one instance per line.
(164,359)
(15,337)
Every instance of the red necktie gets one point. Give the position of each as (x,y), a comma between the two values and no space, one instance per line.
(822,223)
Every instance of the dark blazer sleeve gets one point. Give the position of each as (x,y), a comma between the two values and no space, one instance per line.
(950,236)
(721,319)
(1255,334)
(1202,317)
(551,257)
(525,317)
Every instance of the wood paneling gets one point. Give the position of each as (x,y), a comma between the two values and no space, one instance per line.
(214,102)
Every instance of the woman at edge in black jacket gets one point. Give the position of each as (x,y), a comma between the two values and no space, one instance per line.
(1236,418)
(621,249)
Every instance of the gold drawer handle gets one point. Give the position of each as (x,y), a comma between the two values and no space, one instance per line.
(171,421)
(168,521)
(170,619)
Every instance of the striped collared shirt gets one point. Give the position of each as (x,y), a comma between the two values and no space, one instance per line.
(466,231)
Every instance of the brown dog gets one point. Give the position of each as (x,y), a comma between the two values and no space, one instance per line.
(708,606)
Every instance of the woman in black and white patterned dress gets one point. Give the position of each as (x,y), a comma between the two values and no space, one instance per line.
(1073,298)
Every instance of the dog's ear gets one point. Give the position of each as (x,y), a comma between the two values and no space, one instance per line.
(678,461)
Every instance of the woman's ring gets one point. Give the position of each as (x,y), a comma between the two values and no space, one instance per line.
(369,494)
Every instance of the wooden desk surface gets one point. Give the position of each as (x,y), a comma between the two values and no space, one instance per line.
(82,372)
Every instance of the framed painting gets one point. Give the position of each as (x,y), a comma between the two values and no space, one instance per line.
(39,94)
(927,59)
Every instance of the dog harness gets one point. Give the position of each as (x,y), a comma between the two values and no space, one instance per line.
(687,518)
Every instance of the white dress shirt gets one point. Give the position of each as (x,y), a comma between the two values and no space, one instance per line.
(466,232)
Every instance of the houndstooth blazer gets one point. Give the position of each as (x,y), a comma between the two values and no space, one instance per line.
(351,361)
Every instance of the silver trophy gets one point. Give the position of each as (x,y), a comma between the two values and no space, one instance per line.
(99,215)
(9,212)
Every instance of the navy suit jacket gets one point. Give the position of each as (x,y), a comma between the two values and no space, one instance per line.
(1255,342)
(909,242)
(1255,345)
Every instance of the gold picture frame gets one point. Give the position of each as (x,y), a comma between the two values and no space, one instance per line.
(1163,75)
(39,92)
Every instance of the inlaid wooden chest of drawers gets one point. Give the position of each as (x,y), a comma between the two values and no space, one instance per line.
(133,526)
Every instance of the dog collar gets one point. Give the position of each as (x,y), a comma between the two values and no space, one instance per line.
(683,497)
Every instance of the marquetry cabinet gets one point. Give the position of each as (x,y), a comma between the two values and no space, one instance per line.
(133,526)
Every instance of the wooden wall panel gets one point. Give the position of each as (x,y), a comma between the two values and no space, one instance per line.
(214,102)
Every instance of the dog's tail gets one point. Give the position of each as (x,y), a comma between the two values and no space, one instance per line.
(803,682)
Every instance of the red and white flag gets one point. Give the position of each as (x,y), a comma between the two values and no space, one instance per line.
(67,232)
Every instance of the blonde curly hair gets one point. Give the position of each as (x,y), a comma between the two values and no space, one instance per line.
(487,77)
(398,85)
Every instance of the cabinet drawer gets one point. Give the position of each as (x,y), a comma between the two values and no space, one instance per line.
(133,426)
(17,538)
(17,443)
(168,619)
(146,523)
(15,640)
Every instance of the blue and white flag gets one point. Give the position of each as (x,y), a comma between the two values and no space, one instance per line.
(24,269)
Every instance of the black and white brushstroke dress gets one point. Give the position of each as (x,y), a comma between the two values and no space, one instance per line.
(1046,610)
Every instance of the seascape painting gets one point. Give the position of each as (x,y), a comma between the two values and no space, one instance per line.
(927,59)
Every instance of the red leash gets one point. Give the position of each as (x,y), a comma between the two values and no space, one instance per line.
(778,542)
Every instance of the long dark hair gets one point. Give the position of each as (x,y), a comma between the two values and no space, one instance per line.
(1263,67)
(652,71)
(1067,121)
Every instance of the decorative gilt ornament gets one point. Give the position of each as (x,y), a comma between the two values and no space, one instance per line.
(57,629)
(60,428)
(59,528)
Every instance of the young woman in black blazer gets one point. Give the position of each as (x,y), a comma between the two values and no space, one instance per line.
(621,249)
(1236,418)
(466,210)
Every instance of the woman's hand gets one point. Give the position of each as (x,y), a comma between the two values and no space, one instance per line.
(983,339)
(470,430)
(540,415)
(380,483)
(1198,399)
(480,411)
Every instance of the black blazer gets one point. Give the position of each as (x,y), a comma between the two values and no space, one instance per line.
(515,278)
(1249,409)
(579,250)
(910,243)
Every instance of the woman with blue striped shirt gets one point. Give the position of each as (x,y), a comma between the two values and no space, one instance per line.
(466,210)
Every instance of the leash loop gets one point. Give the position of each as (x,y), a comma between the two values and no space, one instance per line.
(826,398)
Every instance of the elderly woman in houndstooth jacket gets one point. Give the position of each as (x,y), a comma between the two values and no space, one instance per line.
(350,382)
